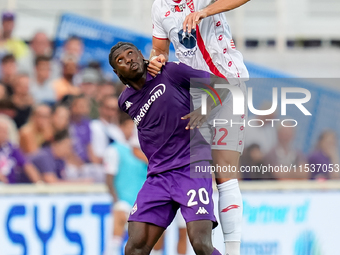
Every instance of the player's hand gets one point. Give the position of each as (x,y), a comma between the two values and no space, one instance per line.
(155,64)
(196,118)
(193,19)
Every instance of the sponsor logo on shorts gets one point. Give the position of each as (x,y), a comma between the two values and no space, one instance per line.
(202,210)
(134,209)
(230,207)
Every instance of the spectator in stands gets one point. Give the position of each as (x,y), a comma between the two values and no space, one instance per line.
(105,129)
(286,155)
(251,157)
(41,86)
(74,46)
(7,113)
(7,42)
(38,131)
(60,118)
(64,85)
(8,72)
(13,164)
(50,160)
(80,130)
(265,136)
(3,92)
(40,46)
(89,85)
(22,99)
(122,168)
(105,89)
(326,154)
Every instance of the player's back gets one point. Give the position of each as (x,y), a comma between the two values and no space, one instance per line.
(210,48)
(157,110)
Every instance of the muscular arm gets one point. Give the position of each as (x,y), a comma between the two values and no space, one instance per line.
(223,6)
(217,7)
(160,46)
(160,50)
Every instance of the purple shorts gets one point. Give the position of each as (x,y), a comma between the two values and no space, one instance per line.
(163,194)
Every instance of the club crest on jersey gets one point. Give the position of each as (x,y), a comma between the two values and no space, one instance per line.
(178,8)
(189,41)
(134,209)
(128,104)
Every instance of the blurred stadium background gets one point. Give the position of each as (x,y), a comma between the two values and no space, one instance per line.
(285,43)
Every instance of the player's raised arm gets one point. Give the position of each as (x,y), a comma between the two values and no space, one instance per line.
(160,42)
(219,6)
(159,55)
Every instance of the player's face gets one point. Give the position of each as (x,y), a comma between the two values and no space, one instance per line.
(128,63)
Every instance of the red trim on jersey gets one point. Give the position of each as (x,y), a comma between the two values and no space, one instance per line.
(160,38)
(177,1)
(206,55)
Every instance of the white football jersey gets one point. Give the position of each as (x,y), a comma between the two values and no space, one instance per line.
(210,47)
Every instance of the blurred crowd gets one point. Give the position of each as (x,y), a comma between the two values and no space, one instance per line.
(58,117)
(274,145)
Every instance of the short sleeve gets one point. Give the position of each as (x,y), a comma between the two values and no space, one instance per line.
(111,161)
(157,28)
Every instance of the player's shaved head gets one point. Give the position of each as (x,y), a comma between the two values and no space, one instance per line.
(114,52)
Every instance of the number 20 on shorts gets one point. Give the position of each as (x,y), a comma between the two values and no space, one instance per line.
(202,195)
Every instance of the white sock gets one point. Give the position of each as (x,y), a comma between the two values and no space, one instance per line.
(156,252)
(232,248)
(114,246)
(230,212)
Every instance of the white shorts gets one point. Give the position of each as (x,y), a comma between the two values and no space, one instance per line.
(230,133)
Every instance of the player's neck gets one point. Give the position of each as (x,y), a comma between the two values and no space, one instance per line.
(138,83)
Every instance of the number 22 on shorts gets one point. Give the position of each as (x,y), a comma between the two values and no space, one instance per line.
(202,195)
(223,132)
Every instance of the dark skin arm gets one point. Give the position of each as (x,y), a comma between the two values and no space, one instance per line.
(196,117)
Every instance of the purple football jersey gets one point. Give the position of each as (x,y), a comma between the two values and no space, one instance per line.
(12,161)
(157,110)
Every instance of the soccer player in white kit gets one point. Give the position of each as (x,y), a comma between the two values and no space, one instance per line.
(202,39)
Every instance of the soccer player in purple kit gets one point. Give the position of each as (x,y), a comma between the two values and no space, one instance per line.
(157,106)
